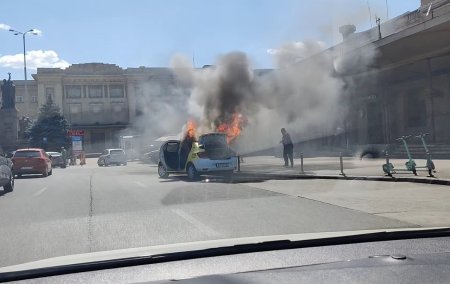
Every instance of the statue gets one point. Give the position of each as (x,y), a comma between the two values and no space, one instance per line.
(8,94)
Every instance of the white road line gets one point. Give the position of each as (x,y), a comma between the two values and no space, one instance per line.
(205,229)
(140,184)
(40,191)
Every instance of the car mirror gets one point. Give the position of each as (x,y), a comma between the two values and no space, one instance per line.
(50,156)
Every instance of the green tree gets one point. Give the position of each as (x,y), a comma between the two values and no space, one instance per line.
(49,131)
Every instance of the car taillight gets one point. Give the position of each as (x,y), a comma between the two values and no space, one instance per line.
(202,155)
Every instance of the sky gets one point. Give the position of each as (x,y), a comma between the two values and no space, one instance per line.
(149,33)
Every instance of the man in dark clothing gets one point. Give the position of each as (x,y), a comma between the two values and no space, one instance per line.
(288,148)
(64,155)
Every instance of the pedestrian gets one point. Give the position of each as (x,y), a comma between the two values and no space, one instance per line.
(64,155)
(82,158)
(288,148)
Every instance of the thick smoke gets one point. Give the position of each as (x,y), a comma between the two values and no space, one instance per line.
(304,93)
(162,108)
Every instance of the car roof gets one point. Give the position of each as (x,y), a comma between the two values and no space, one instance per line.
(29,149)
(213,133)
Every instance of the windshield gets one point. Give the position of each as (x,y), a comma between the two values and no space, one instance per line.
(181,121)
(27,154)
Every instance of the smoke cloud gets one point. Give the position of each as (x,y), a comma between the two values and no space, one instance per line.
(303,93)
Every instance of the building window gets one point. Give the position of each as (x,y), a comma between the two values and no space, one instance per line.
(50,93)
(73,92)
(116,91)
(96,108)
(19,99)
(75,108)
(117,107)
(95,91)
(34,99)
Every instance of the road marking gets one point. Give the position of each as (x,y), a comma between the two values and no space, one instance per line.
(40,191)
(140,184)
(205,229)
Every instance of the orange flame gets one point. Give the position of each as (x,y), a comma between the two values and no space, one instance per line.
(191,130)
(232,129)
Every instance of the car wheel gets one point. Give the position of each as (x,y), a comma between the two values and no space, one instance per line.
(125,163)
(63,166)
(192,172)
(45,173)
(51,172)
(162,171)
(9,186)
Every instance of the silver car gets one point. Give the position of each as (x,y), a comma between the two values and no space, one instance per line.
(112,157)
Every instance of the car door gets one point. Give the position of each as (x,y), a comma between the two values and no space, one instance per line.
(170,155)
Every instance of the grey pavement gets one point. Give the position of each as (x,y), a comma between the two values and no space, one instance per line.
(352,167)
(90,208)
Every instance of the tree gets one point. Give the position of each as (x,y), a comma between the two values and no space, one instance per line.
(49,131)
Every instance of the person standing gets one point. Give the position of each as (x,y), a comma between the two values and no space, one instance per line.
(288,148)
(64,155)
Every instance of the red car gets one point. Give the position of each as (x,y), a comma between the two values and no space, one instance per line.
(31,161)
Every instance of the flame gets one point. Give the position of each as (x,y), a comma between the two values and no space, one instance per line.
(232,129)
(191,130)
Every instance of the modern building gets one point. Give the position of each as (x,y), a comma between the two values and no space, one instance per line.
(406,90)
(398,82)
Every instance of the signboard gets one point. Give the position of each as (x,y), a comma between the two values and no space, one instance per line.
(75,132)
(77,144)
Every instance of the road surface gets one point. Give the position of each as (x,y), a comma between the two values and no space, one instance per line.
(90,208)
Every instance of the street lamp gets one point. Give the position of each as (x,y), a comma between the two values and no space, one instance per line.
(34,32)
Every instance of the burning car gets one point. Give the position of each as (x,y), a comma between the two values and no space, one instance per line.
(210,154)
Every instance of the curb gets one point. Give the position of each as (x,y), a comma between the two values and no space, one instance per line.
(267,176)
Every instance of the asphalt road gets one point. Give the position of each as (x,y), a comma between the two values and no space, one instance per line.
(90,208)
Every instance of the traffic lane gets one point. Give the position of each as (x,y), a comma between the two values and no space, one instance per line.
(35,198)
(162,211)
(130,206)
(45,217)
(419,204)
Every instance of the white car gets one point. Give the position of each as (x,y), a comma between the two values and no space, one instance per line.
(210,154)
(112,157)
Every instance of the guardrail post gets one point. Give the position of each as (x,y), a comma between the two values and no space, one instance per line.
(342,163)
(301,163)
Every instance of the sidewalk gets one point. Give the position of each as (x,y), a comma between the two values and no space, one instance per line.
(353,168)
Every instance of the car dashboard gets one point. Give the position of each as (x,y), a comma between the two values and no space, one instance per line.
(422,260)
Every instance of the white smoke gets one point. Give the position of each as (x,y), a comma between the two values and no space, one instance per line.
(304,93)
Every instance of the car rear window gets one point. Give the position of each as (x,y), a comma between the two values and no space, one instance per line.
(27,154)
(115,152)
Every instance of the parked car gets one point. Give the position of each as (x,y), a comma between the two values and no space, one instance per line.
(31,161)
(57,159)
(112,156)
(6,173)
(210,154)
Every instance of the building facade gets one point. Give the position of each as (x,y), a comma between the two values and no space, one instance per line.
(103,100)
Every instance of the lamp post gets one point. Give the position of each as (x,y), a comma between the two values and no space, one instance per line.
(34,32)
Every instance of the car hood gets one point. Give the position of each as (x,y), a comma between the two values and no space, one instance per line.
(189,246)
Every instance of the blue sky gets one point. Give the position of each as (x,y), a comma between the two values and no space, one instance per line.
(148,33)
